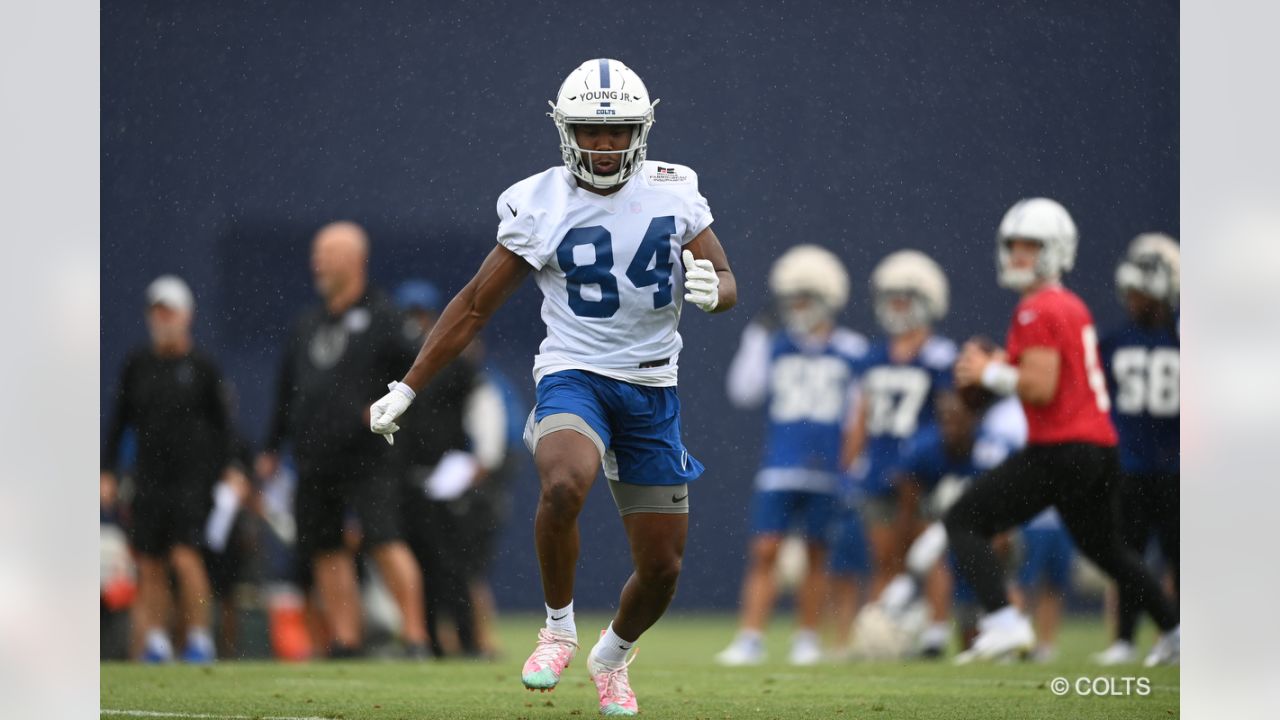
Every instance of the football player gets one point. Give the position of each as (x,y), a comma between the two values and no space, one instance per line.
(936,466)
(1045,578)
(898,379)
(1141,359)
(1051,364)
(975,432)
(604,235)
(803,374)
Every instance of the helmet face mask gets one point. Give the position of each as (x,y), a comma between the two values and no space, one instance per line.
(1020,277)
(909,291)
(804,313)
(1046,223)
(603,92)
(1151,268)
(900,311)
(810,286)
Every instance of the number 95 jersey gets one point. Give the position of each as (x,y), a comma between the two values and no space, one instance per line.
(607,267)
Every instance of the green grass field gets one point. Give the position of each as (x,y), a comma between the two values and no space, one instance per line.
(673,676)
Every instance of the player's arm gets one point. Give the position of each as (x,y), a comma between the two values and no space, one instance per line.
(909,497)
(748,380)
(498,277)
(708,280)
(267,464)
(855,433)
(120,419)
(1034,379)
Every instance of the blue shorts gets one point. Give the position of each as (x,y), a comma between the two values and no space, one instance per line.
(778,511)
(639,425)
(1049,552)
(849,545)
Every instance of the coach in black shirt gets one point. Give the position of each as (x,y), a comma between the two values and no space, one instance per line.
(338,359)
(173,399)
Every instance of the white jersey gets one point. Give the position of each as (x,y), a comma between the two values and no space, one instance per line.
(608,267)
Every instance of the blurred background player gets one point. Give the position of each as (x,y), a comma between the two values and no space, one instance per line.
(173,399)
(1044,579)
(1070,460)
(974,432)
(802,373)
(487,504)
(456,439)
(897,381)
(322,411)
(1142,360)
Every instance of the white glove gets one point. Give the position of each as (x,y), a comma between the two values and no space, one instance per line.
(383,414)
(701,284)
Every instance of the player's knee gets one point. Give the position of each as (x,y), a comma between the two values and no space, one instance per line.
(764,551)
(660,571)
(563,492)
(186,559)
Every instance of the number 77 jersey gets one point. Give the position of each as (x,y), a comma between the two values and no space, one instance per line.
(608,268)
(1057,318)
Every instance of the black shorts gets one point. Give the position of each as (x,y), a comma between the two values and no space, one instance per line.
(169,514)
(330,490)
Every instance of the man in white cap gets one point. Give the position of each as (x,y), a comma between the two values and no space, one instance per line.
(173,399)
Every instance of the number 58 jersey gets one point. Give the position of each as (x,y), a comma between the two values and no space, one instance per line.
(608,267)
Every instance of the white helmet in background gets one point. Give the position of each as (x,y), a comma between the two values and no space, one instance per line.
(811,286)
(1040,220)
(1152,267)
(603,92)
(912,276)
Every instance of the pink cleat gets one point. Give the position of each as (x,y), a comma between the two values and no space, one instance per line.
(549,659)
(617,699)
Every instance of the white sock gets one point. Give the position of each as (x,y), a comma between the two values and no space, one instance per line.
(611,650)
(560,621)
(805,636)
(936,633)
(1007,615)
(750,638)
(158,642)
(200,638)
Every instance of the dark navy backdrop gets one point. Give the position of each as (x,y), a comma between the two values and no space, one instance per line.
(231,130)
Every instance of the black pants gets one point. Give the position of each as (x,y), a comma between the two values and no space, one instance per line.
(437,538)
(1083,482)
(1148,506)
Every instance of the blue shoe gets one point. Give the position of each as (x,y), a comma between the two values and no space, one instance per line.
(195,654)
(153,656)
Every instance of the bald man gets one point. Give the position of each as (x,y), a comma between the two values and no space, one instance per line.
(347,488)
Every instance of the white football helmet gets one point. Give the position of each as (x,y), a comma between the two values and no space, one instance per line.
(812,272)
(1044,221)
(603,92)
(1152,267)
(912,275)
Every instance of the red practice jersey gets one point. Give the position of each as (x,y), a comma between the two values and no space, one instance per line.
(1057,318)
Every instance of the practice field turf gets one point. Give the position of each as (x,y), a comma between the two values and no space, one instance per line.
(673,675)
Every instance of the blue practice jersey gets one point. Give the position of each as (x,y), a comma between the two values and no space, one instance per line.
(925,459)
(806,388)
(898,398)
(1143,374)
